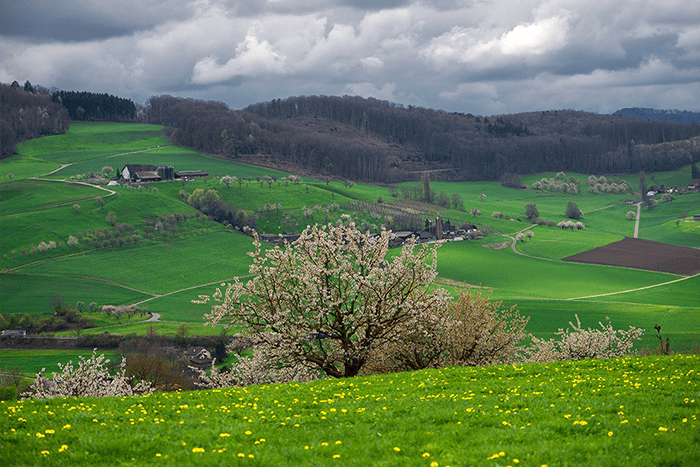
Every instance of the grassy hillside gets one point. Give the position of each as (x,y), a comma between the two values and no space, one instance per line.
(164,269)
(627,411)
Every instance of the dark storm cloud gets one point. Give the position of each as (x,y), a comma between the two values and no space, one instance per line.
(476,56)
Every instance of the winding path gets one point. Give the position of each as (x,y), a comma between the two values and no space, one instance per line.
(636,221)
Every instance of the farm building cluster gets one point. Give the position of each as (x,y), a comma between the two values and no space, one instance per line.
(151,173)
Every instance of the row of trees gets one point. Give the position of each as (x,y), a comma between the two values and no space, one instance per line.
(339,136)
(91,106)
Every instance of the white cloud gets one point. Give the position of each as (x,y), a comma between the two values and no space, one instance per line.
(253,57)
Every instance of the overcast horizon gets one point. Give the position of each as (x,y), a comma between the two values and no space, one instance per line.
(471,56)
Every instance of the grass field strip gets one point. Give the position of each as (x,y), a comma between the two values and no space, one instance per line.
(634,290)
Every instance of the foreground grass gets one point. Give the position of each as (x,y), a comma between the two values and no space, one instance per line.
(628,411)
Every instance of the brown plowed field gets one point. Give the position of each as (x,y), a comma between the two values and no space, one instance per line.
(643,254)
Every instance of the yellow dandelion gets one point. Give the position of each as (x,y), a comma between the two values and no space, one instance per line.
(426,454)
(434,464)
(336,456)
(45,452)
(158,454)
(240,454)
(397,449)
(610,433)
(224,435)
(197,449)
(251,456)
(249,432)
(661,428)
(63,448)
(50,432)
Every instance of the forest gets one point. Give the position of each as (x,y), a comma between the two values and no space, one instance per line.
(379,141)
(27,113)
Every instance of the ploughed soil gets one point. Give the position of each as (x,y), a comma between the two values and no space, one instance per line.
(643,254)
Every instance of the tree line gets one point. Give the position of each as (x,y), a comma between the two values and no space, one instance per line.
(88,106)
(374,140)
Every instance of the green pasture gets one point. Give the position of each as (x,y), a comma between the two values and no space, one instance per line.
(22,196)
(513,276)
(556,243)
(158,268)
(626,411)
(19,167)
(33,361)
(94,140)
(681,293)
(28,293)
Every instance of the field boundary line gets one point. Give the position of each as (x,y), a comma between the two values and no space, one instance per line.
(139,151)
(635,290)
(155,296)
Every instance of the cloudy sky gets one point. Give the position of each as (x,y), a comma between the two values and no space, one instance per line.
(483,57)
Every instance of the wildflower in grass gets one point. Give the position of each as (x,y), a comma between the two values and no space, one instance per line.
(240,454)
(426,454)
(397,449)
(40,435)
(661,428)
(249,432)
(224,435)
(63,448)
(434,464)
(197,449)
(336,456)
(49,432)
(45,452)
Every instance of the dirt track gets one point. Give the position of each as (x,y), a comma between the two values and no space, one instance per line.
(643,254)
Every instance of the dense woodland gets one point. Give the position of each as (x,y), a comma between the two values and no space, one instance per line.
(374,140)
(28,112)
(88,106)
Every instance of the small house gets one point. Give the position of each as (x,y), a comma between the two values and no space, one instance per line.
(13,333)
(694,184)
(199,357)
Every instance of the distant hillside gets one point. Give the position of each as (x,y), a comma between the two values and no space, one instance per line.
(681,116)
(380,141)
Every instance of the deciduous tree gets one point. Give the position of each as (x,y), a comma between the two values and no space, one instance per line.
(330,298)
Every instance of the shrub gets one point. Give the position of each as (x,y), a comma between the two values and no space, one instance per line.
(572,211)
(579,343)
(90,379)
(471,331)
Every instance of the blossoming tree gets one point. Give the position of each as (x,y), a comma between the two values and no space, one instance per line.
(327,300)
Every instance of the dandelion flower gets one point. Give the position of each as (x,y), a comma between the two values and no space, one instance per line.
(610,433)
(426,454)
(63,448)
(661,428)
(397,449)
(197,449)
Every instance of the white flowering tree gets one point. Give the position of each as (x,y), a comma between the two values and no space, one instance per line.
(326,301)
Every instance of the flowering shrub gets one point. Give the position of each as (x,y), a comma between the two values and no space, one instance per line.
(579,343)
(90,379)
(471,331)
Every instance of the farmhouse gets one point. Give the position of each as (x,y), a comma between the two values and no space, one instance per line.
(694,184)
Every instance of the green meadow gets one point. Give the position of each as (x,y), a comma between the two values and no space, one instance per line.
(625,411)
(164,271)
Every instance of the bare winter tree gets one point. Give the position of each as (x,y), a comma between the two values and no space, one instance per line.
(326,301)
